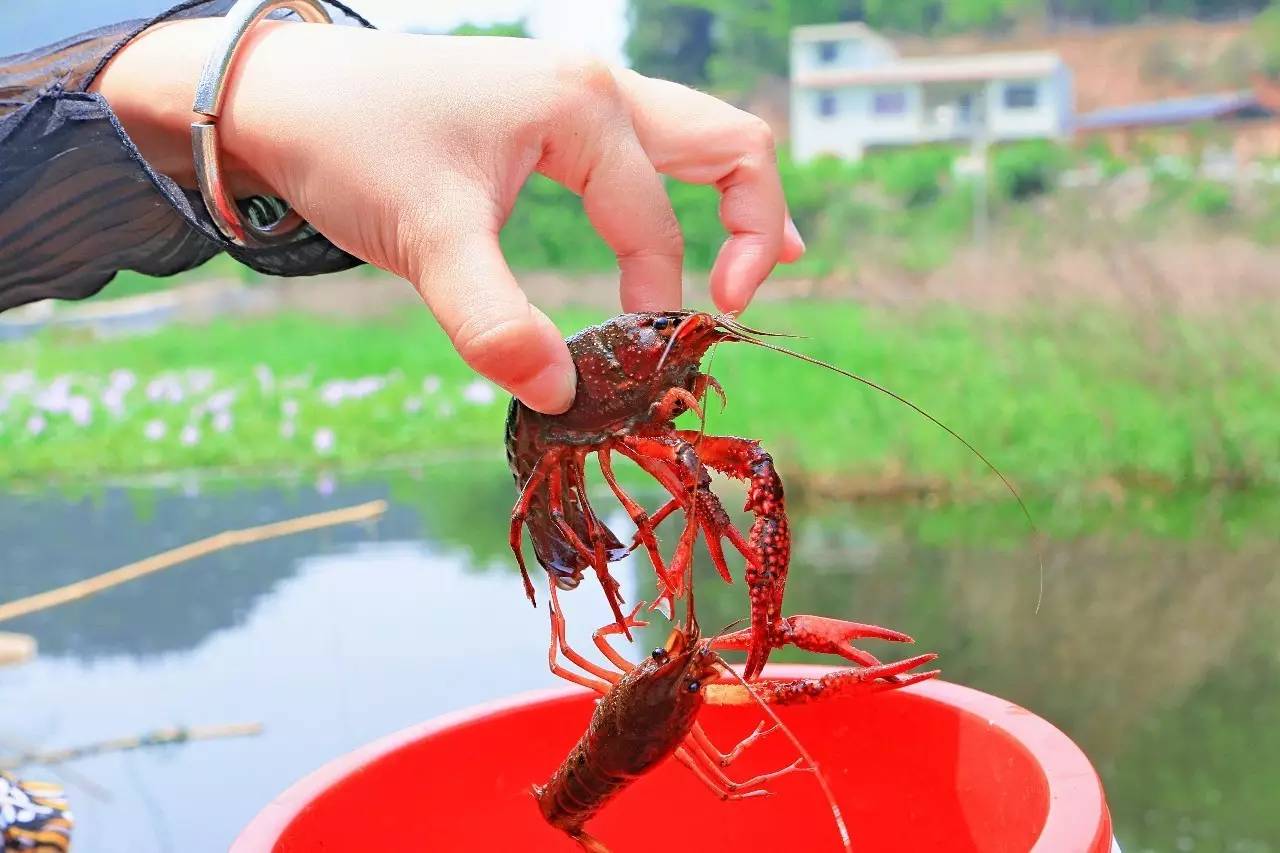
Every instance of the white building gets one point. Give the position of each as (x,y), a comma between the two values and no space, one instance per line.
(850,91)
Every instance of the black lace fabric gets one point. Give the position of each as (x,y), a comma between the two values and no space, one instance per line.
(77,201)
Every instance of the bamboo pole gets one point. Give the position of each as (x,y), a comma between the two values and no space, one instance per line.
(168,559)
(159,737)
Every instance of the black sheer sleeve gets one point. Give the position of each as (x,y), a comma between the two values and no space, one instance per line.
(77,201)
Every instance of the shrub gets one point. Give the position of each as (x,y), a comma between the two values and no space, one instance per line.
(914,176)
(1027,169)
(1211,200)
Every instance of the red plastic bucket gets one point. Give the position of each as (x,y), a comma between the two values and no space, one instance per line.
(934,767)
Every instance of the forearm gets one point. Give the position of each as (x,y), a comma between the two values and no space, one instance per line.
(77,201)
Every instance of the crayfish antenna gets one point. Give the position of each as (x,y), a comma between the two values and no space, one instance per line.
(744,338)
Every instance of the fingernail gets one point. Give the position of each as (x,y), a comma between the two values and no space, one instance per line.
(794,233)
(550,391)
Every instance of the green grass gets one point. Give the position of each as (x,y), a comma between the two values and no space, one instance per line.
(1052,400)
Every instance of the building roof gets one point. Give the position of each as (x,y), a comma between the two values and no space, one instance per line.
(835,32)
(1169,111)
(977,66)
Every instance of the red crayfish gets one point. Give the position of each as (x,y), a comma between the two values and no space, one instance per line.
(636,374)
(649,711)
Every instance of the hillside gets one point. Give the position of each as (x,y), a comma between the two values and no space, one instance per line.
(1125,64)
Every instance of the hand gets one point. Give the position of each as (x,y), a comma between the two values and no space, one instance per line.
(408,151)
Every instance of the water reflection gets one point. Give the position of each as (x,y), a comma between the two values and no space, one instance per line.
(1157,653)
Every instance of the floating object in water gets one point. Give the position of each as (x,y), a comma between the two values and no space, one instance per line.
(169,559)
(34,817)
(16,649)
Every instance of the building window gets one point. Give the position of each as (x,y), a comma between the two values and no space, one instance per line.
(890,102)
(827,104)
(1020,96)
(827,52)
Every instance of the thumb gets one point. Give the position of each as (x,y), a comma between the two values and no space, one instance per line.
(470,289)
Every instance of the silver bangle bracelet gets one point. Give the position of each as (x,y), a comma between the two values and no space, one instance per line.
(204,134)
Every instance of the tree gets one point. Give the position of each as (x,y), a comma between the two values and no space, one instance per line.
(670,40)
(753,37)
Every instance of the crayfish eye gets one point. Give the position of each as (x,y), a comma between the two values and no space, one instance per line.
(661,323)
(693,686)
(659,655)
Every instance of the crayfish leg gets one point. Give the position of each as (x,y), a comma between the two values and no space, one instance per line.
(844,682)
(644,527)
(521,511)
(720,784)
(770,537)
(593,556)
(675,465)
(603,680)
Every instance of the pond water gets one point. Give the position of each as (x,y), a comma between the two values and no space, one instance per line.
(1156,647)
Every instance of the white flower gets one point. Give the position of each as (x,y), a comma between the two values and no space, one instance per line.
(190,436)
(367,385)
(445,410)
(57,397)
(221,401)
(199,381)
(287,429)
(290,408)
(113,400)
(479,393)
(19,383)
(333,393)
(266,379)
(222,421)
(413,405)
(155,430)
(165,387)
(122,379)
(323,440)
(430,384)
(35,424)
(81,410)
(326,484)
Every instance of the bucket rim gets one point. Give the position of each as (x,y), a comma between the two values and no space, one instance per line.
(1076,797)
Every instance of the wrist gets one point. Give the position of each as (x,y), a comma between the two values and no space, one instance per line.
(150,84)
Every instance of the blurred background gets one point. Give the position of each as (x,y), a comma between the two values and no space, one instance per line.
(1054,225)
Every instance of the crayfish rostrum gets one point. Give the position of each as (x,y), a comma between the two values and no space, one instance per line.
(636,374)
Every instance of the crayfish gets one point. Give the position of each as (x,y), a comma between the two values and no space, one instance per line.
(636,374)
(649,711)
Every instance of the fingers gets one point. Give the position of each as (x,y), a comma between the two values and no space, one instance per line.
(475,298)
(752,209)
(792,243)
(593,150)
(697,138)
(626,202)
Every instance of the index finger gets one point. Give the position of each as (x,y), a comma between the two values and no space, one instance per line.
(700,139)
